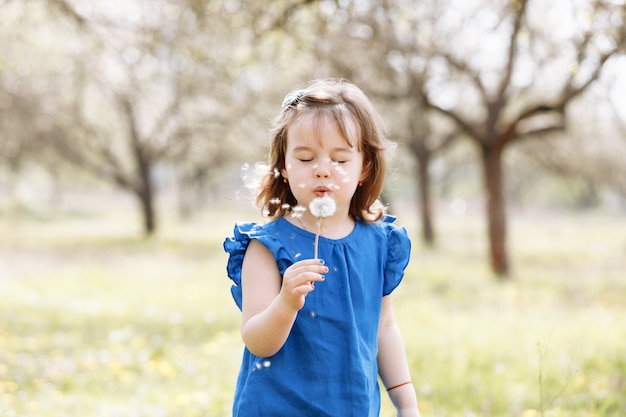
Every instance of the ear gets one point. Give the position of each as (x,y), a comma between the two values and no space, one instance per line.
(283,172)
(365,171)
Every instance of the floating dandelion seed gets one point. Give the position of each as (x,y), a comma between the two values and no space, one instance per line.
(321,208)
(297,212)
(276,173)
(275,201)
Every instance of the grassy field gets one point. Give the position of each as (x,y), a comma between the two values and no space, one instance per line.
(95,321)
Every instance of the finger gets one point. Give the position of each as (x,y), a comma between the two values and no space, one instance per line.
(307,262)
(305,288)
(308,270)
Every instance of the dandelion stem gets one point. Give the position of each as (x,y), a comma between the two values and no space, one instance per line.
(317,237)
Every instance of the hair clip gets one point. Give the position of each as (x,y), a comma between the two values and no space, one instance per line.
(293,97)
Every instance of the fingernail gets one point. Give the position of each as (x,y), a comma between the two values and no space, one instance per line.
(323,277)
(321,261)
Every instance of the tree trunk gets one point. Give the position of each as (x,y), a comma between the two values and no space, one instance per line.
(147,210)
(144,164)
(145,193)
(428,234)
(496,210)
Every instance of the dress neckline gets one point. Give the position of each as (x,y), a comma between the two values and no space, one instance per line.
(311,235)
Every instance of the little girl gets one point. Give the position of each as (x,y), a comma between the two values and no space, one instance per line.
(318,331)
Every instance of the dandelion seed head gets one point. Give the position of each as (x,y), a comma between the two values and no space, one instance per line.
(323,207)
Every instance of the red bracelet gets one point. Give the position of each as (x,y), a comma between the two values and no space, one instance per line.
(399,385)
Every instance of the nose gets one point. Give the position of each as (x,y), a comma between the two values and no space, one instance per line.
(321,170)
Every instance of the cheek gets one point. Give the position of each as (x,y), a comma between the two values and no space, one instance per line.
(348,174)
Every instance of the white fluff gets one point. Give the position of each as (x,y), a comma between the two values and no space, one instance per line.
(323,207)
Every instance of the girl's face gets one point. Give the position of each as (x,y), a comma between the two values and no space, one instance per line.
(320,161)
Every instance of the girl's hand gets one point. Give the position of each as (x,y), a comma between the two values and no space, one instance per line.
(299,280)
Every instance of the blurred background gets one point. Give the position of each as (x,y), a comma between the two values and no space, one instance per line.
(130,129)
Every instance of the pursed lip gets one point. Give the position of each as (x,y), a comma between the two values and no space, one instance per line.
(321,191)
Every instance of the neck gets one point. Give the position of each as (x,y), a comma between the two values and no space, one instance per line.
(333,227)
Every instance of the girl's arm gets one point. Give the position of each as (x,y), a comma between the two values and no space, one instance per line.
(269,308)
(392,363)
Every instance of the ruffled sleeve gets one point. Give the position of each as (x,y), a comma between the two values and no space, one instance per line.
(237,245)
(398,254)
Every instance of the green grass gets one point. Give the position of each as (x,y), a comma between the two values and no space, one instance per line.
(95,321)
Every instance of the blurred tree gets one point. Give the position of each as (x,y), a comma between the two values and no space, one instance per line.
(503,72)
(26,85)
(155,87)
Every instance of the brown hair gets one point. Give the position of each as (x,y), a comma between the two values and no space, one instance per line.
(351,110)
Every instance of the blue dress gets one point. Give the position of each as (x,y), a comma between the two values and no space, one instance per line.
(327,366)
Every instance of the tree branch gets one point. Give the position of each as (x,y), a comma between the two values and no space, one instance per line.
(67,10)
(512,53)
(464,126)
(463,68)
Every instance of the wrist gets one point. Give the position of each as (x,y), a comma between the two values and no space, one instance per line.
(284,309)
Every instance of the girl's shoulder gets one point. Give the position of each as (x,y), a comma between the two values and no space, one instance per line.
(237,244)
(244,232)
(398,253)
